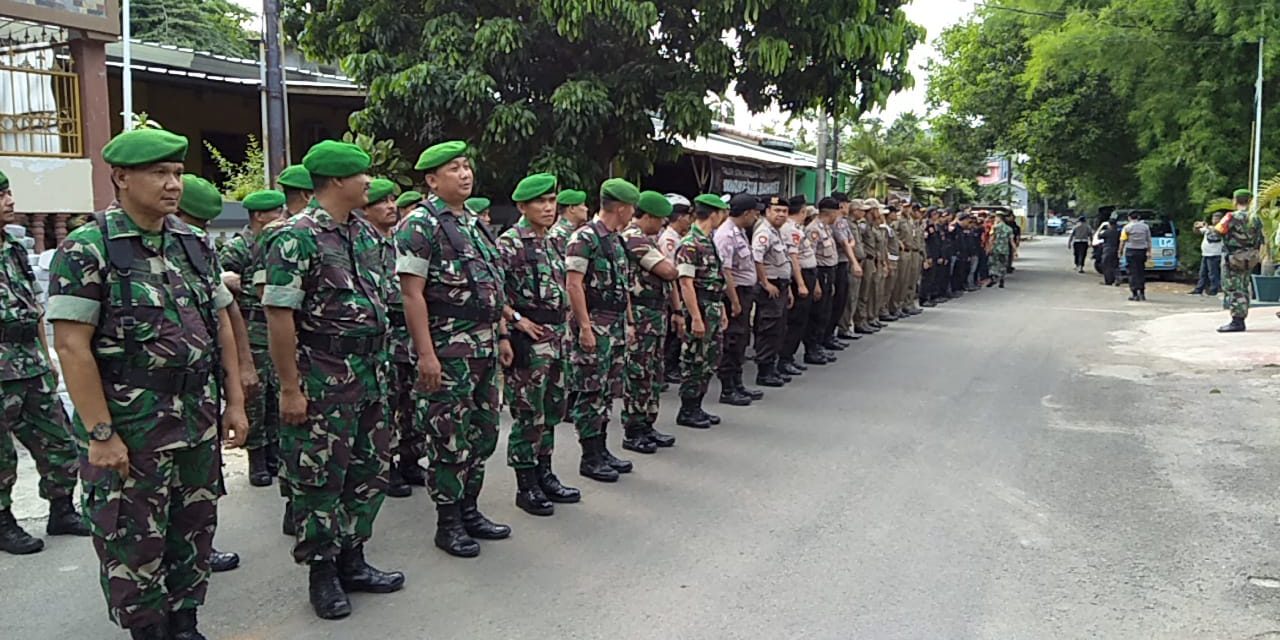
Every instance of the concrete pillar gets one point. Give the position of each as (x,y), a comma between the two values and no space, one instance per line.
(95,112)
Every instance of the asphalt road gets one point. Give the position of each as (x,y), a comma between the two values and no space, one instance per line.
(1014,464)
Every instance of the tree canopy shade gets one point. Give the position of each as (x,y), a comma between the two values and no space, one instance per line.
(569,86)
(1122,101)
(216,26)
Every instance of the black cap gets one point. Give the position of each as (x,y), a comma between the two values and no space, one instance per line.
(742,203)
(839,197)
(826,204)
(795,204)
(774,201)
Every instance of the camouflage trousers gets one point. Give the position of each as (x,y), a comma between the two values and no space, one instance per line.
(407,419)
(338,459)
(537,397)
(1236,290)
(999,264)
(264,410)
(31,411)
(700,356)
(645,371)
(462,427)
(153,531)
(596,378)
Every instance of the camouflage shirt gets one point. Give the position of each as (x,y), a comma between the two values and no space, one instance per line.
(241,255)
(1241,232)
(649,293)
(19,309)
(400,345)
(467,276)
(558,234)
(597,252)
(534,276)
(170,300)
(330,274)
(697,258)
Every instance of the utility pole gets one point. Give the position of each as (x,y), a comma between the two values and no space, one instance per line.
(1255,164)
(126,74)
(821,183)
(835,146)
(273,90)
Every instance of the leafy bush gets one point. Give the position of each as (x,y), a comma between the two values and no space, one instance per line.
(243,178)
(387,161)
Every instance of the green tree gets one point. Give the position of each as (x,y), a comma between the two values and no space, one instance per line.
(882,166)
(216,26)
(571,86)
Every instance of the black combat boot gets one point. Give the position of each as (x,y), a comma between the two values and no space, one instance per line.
(223,561)
(259,475)
(478,526)
(551,486)
(789,367)
(636,438)
(396,486)
(13,539)
(659,438)
(355,574)
(152,632)
(63,519)
(593,463)
(529,494)
(287,525)
(831,344)
(273,459)
(182,625)
(767,376)
(730,395)
(411,471)
(451,536)
(709,417)
(815,357)
(1236,325)
(618,464)
(690,414)
(327,597)
(754,394)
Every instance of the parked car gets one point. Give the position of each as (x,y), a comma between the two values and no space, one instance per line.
(1163,257)
(1057,225)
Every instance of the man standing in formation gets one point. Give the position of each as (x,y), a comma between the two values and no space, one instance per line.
(1242,241)
(702,289)
(775,266)
(805,284)
(668,241)
(734,251)
(297,186)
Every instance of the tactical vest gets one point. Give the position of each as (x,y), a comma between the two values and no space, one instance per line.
(476,267)
(616,299)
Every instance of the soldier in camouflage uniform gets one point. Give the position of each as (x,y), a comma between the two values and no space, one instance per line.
(1242,241)
(571,213)
(239,256)
(537,312)
(1001,251)
(327,322)
(651,300)
(29,406)
(407,202)
(597,280)
(702,286)
(298,189)
(142,332)
(451,283)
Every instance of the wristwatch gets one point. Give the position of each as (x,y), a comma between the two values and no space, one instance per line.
(516,317)
(101,432)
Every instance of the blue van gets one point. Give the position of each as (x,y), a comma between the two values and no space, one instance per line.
(1163,257)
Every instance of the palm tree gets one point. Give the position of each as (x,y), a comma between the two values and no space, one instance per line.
(880,166)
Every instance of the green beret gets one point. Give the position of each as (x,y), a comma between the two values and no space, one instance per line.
(296,176)
(534,187)
(407,198)
(200,199)
(711,200)
(380,188)
(439,154)
(478,204)
(571,197)
(1242,193)
(4,181)
(654,204)
(265,200)
(333,159)
(620,190)
(144,146)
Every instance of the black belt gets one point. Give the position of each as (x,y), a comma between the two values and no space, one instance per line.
(597,303)
(464,312)
(19,333)
(254,315)
(343,345)
(171,380)
(780,282)
(658,304)
(544,316)
(710,297)
(396,318)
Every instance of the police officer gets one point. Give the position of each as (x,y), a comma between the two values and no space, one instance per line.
(819,233)
(651,300)
(29,404)
(867,237)
(327,322)
(774,268)
(702,288)
(734,249)
(851,253)
(804,283)
(598,282)
(668,241)
(453,299)
(143,335)
(536,310)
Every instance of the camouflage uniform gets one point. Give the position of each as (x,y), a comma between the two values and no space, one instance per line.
(650,296)
(697,258)
(404,413)
(464,300)
(331,275)
(1241,238)
(534,286)
(596,377)
(1001,249)
(152,531)
(29,406)
(241,255)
